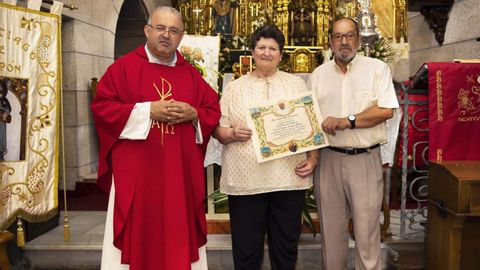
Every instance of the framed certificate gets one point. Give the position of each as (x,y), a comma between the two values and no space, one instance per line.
(286,127)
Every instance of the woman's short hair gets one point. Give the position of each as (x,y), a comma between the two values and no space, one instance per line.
(268,31)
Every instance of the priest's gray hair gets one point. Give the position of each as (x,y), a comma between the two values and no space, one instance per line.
(165,8)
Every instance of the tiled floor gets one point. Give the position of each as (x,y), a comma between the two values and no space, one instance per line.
(86,232)
(87,228)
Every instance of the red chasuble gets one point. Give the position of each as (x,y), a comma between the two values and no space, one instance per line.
(159,218)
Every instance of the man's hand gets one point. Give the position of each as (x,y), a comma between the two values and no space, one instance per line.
(159,110)
(330,124)
(179,112)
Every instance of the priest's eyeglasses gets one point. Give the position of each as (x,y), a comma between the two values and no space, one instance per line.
(162,29)
(339,37)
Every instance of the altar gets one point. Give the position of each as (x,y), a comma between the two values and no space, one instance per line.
(305,25)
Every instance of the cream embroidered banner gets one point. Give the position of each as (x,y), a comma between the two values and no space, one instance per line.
(30,81)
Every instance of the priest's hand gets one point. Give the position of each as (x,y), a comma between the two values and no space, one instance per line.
(159,110)
(179,112)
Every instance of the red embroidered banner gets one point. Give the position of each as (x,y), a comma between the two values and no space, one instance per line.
(454,111)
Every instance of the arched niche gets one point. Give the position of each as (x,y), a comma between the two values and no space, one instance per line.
(131,20)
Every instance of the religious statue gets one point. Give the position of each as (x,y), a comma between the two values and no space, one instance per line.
(302,63)
(223,15)
(5,117)
(302,32)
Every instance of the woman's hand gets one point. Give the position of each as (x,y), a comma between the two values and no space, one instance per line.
(306,167)
(241,133)
(226,135)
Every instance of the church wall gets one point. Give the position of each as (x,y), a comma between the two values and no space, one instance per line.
(88,36)
(464,16)
(460,37)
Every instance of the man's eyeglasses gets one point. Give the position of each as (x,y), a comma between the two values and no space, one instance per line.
(162,29)
(348,36)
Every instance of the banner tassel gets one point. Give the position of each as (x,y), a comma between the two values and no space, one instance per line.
(66,228)
(20,234)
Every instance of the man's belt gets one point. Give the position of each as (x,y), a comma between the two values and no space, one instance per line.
(353,151)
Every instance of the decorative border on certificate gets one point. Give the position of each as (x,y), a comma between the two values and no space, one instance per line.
(286,127)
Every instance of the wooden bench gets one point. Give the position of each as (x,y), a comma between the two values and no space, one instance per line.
(5,236)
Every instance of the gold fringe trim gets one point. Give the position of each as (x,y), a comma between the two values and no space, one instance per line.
(28,217)
(20,234)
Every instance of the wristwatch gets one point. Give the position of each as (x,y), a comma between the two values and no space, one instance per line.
(352,119)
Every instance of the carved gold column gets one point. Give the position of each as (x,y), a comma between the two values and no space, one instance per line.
(320,23)
(333,4)
(185,10)
(284,18)
(253,12)
(400,28)
(236,20)
(242,18)
(209,18)
(351,9)
(204,17)
(270,10)
(278,14)
(326,22)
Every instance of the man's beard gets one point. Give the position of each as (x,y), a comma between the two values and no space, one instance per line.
(347,58)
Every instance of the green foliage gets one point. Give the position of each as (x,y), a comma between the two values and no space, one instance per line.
(309,205)
(383,50)
(219,199)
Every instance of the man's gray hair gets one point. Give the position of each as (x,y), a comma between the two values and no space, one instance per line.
(165,8)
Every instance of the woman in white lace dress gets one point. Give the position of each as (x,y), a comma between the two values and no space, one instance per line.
(263,197)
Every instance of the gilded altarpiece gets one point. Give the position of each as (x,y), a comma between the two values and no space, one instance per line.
(305,24)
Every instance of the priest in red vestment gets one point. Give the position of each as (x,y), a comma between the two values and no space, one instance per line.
(154,114)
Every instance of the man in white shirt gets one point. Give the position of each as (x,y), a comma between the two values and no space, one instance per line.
(356,97)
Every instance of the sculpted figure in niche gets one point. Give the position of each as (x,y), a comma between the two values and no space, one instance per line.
(303,24)
(224,16)
(5,110)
